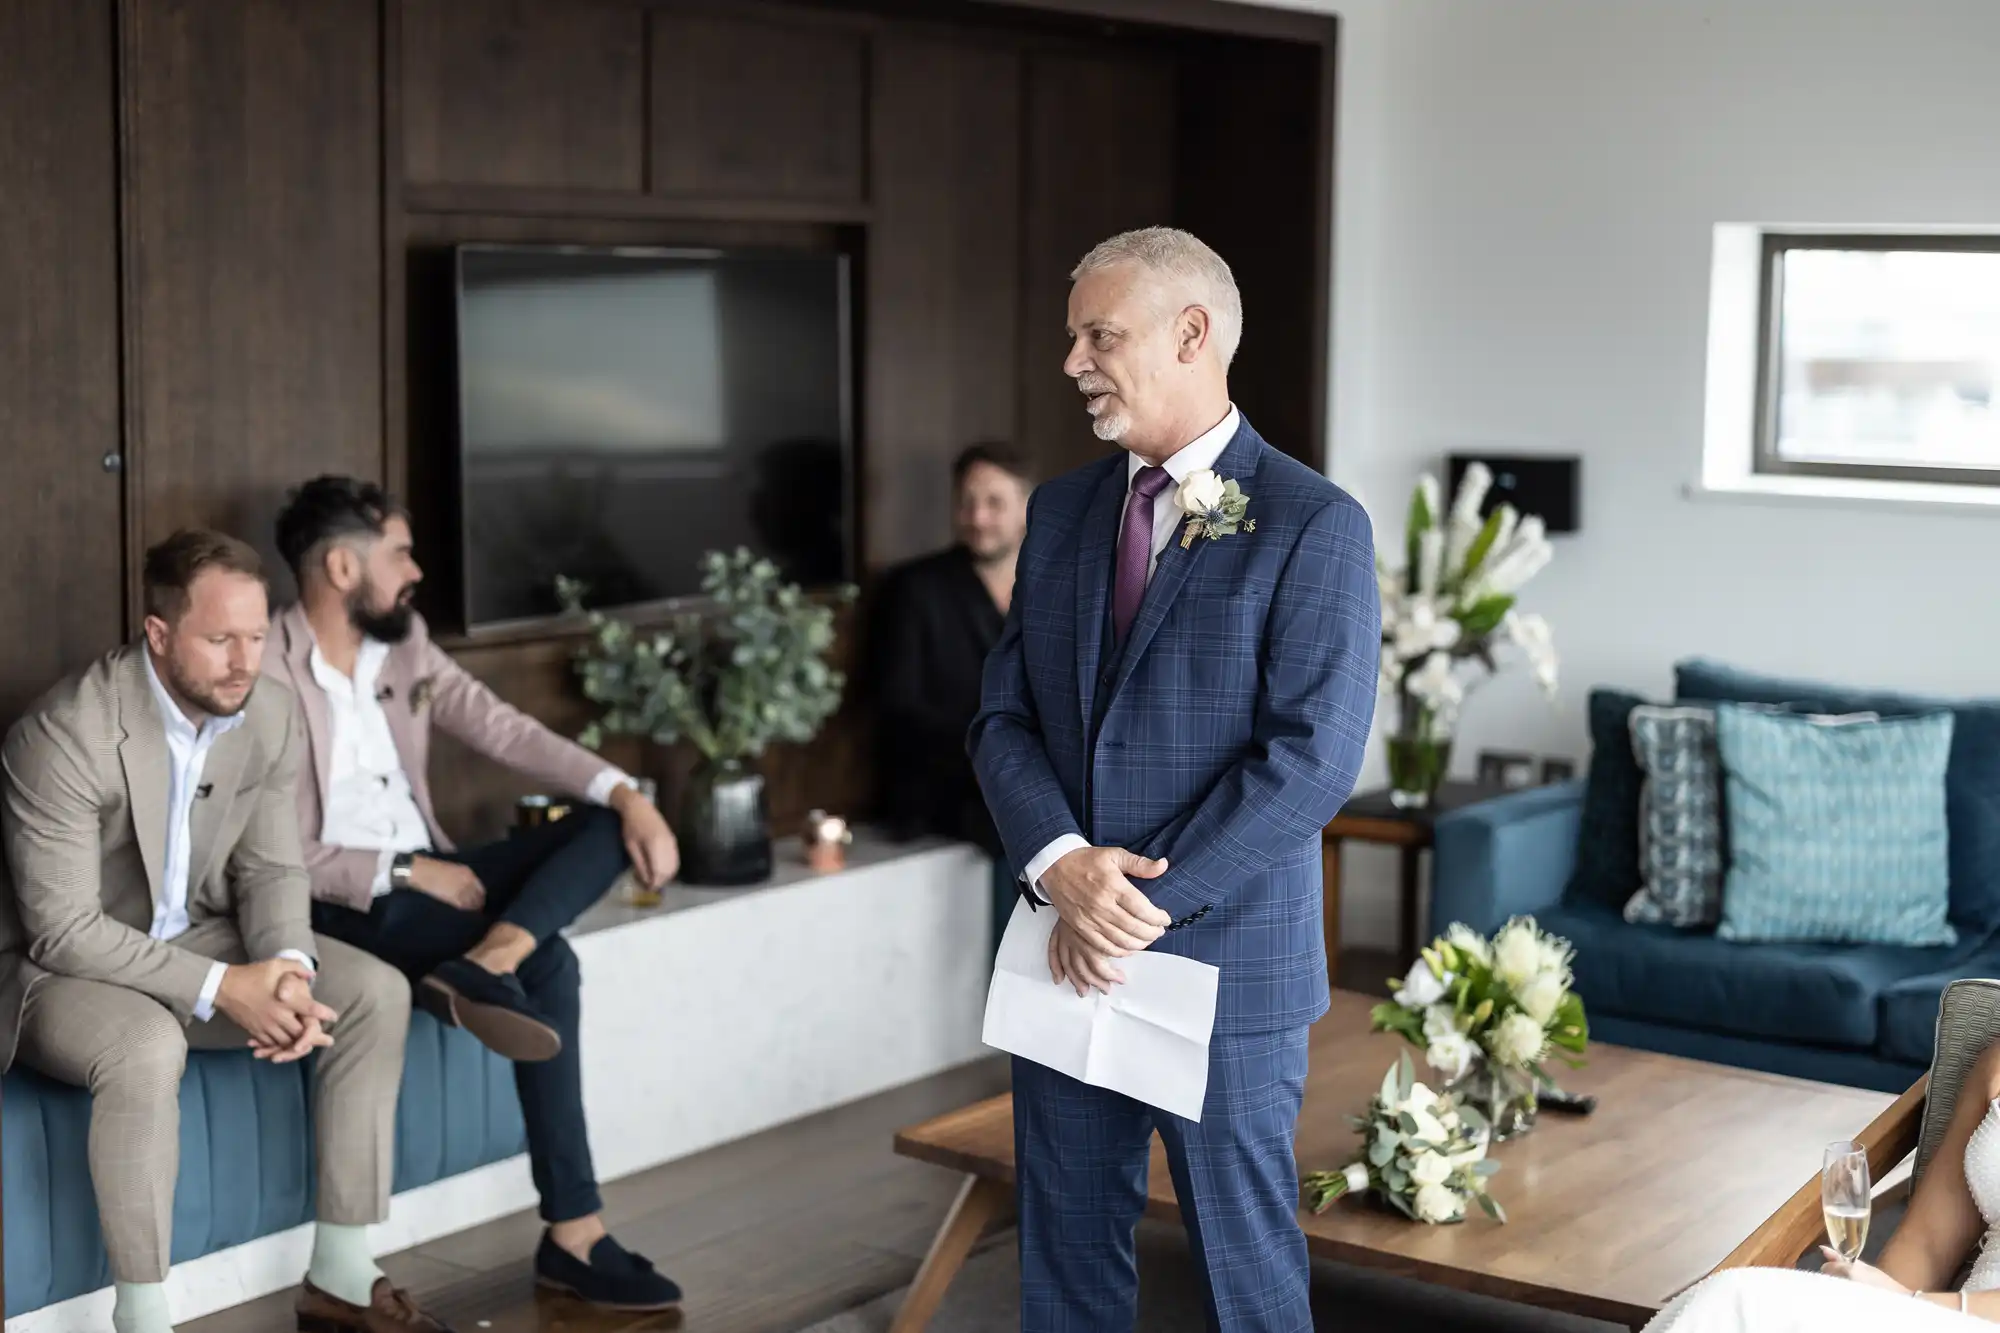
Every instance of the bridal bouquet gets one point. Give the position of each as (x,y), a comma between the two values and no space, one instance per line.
(1488,1013)
(1423,1154)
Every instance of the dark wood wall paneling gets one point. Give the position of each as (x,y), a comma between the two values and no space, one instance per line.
(944,278)
(254,287)
(293,177)
(1097,163)
(61,543)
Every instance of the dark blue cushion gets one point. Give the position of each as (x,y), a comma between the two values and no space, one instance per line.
(1972,775)
(1607,840)
(1910,1006)
(1816,994)
(246,1158)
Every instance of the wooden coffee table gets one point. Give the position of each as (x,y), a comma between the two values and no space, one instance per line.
(1684,1166)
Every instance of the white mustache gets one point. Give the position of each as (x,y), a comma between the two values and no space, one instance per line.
(1089,384)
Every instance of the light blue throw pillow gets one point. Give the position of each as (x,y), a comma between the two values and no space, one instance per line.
(1836,829)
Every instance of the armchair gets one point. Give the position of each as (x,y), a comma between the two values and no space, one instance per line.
(1968,1022)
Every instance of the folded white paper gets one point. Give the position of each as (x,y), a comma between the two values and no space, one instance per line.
(1147,1039)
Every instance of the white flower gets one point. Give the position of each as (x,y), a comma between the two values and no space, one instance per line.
(1434,685)
(1418,629)
(1421,1098)
(1541,996)
(1531,634)
(1200,493)
(1555,955)
(1516,954)
(1472,488)
(1423,987)
(1430,561)
(1357,1177)
(1468,942)
(1439,1020)
(1430,1168)
(1517,1040)
(1451,1054)
(1428,1130)
(1435,1203)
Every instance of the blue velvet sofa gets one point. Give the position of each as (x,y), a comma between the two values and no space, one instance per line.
(1861,1015)
(246,1155)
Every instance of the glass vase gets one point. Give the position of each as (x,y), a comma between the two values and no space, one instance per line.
(725,826)
(1504,1095)
(1419,754)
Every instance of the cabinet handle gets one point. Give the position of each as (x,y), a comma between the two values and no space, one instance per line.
(114,462)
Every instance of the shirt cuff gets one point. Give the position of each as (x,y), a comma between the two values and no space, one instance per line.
(380,885)
(610,780)
(1048,856)
(309,964)
(204,1005)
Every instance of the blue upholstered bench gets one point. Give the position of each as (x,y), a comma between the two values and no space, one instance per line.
(246,1158)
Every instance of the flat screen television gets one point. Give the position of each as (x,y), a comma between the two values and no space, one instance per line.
(622,411)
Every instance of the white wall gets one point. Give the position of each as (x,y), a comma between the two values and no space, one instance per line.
(1526,192)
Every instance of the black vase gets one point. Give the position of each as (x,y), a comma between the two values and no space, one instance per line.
(725,826)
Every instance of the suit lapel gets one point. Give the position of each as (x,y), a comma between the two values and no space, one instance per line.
(1094,548)
(221,774)
(142,753)
(312,700)
(1238,462)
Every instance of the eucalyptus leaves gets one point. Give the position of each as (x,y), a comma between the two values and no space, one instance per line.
(728,679)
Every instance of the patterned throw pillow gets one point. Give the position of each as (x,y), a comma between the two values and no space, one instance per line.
(1681,855)
(1836,833)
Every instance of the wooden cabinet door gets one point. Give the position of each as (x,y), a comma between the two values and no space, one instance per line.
(758,110)
(255,244)
(944,276)
(524,93)
(62,543)
(1099,161)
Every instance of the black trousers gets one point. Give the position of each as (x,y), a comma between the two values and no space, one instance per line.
(539,879)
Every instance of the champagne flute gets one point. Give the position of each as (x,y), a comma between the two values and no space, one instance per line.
(1845,1195)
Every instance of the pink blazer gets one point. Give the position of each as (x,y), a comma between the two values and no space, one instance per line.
(423,686)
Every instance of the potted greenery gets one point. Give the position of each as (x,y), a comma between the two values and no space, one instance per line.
(729,678)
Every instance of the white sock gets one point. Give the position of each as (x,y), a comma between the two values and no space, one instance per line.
(141,1308)
(342,1267)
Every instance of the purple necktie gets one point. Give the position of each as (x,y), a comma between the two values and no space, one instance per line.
(1135,548)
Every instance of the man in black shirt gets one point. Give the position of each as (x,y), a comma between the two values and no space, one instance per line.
(936,619)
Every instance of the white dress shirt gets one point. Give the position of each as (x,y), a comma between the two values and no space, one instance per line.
(369,804)
(187,751)
(1201,452)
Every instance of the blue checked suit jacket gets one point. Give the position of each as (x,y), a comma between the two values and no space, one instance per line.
(1223,737)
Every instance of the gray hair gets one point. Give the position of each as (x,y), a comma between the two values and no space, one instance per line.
(1195,273)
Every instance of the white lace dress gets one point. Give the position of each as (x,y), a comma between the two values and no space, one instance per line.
(1784,1300)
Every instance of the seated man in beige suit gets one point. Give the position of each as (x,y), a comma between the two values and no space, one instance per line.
(156,899)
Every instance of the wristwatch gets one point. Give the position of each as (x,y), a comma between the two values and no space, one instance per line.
(400,868)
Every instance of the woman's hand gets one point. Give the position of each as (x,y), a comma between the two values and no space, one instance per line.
(1868,1275)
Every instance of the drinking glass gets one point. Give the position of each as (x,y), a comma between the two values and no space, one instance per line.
(1845,1193)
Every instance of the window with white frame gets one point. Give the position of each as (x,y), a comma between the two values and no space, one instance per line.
(1880,357)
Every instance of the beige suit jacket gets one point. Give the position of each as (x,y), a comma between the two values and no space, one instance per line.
(419,685)
(83,812)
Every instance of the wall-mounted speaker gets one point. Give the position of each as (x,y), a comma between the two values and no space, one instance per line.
(1548,486)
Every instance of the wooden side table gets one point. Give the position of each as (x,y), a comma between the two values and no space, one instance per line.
(1372,817)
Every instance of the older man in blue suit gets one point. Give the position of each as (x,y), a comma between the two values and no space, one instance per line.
(1177,706)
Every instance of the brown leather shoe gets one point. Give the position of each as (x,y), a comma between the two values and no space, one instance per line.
(390,1311)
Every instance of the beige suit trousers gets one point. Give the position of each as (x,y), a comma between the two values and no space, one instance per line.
(129,1051)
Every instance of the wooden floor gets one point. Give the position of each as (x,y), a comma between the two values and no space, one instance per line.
(768,1234)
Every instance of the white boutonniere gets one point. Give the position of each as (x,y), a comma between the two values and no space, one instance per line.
(1214,507)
